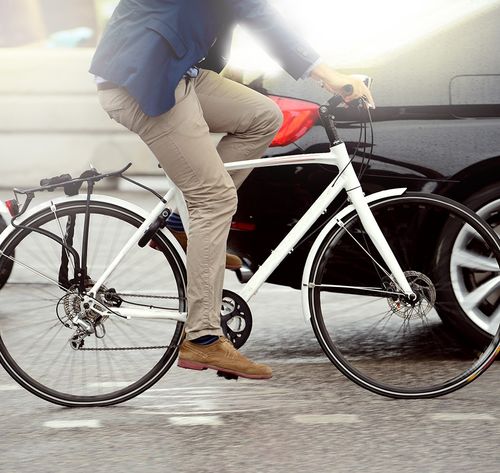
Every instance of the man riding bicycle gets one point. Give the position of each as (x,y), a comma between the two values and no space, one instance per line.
(157,72)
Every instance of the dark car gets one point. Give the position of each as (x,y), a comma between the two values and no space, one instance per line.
(436,129)
(406,154)
(272,200)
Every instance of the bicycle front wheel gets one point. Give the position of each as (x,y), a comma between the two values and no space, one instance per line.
(40,346)
(370,331)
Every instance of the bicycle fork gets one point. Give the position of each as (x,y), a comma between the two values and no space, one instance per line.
(359,202)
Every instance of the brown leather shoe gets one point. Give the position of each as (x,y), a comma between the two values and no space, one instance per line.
(233,262)
(221,356)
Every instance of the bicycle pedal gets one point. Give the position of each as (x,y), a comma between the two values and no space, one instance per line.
(224,374)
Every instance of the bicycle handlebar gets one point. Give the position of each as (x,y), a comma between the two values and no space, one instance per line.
(347,90)
(336,100)
(326,111)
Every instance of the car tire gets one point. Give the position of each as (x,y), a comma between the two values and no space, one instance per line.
(472,322)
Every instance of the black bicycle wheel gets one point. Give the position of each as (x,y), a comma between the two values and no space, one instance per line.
(38,344)
(378,338)
(5,265)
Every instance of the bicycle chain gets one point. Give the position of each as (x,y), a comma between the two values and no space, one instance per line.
(152,297)
(156,347)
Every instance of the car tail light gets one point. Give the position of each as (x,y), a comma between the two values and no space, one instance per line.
(243,226)
(12,206)
(299,116)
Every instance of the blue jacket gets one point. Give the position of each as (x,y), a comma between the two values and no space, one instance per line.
(149,44)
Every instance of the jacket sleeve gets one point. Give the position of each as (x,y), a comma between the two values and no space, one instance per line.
(294,54)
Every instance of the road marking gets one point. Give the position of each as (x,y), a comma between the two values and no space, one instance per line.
(461,416)
(327,419)
(195,413)
(197,403)
(192,388)
(196,420)
(72,424)
(313,360)
(109,384)
(10,387)
(180,396)
(192,396)
(219,390)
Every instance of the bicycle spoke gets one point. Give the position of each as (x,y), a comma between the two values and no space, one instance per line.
(69,354)
(394,345)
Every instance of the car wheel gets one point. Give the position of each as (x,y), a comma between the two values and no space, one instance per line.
(475,285)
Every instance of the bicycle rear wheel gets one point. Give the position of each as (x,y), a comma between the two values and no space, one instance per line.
(376,337)
(123,357)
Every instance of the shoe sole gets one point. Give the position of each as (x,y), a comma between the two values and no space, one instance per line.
(192,365)
(233,268)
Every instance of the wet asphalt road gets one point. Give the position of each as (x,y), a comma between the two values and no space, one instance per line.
(308,418)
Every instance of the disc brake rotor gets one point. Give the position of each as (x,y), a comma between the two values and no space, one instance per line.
(425,291)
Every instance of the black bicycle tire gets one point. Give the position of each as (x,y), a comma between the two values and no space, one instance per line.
(145,382)
(333,353)
(6,266)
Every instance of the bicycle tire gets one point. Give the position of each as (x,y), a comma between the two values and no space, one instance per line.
(34,341)
(382,342)
(5,266)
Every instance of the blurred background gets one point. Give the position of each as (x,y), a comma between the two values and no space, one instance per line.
(51,122)
(51,23)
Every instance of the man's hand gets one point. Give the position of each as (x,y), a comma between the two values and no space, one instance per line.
(334,82)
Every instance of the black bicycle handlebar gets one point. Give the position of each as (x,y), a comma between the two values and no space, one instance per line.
(336,100)
(327,110)
(347,90)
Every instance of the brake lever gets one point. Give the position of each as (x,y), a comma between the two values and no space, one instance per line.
(367,105)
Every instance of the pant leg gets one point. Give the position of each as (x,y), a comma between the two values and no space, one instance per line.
(250,119)
(181,142)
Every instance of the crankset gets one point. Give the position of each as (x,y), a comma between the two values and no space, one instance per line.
(236,318)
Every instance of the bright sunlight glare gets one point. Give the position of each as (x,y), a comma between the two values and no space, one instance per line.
(362,37)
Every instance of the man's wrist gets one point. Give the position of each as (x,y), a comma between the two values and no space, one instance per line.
(320,71)
(309,70)
(329,78)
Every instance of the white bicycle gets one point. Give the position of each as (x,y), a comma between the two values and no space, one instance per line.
(93,316)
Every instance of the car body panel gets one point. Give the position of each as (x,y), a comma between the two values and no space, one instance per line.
(455,157)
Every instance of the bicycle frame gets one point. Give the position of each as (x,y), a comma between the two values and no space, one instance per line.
(347,179)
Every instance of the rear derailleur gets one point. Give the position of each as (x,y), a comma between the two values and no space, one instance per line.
(75,312)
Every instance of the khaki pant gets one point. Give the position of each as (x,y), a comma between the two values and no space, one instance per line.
(181,142)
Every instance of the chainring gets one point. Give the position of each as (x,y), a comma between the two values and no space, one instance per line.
(236,318)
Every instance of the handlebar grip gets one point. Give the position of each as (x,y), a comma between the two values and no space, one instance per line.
(336,100)
(348,89)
